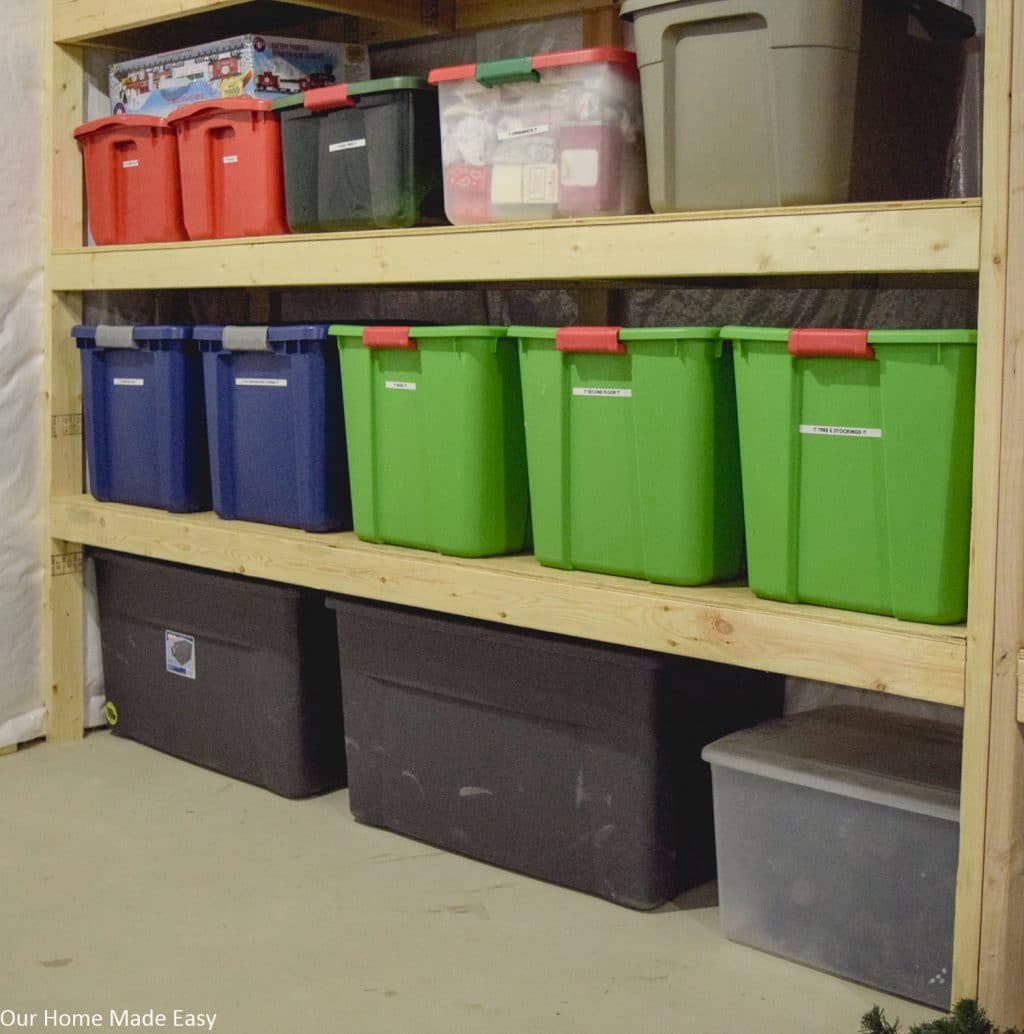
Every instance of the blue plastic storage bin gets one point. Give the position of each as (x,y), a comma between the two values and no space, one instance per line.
(144,420)
(277,444)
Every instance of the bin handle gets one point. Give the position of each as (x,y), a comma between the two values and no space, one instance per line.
(590,339)
(109,336)
(328,97)
(835,344)
(507,70)
(388,337)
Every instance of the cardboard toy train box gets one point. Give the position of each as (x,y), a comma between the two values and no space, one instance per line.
(261,66)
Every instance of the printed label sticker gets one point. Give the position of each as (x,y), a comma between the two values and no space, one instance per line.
(610,393)
(180,653)
(129,382)
(841,432)
(261,382)
(131,163)
(400,385)
(515,134)
(231,159)
(347,145)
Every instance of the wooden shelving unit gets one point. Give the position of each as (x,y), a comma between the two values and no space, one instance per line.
(973,667)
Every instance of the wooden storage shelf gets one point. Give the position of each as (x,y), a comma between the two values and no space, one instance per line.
(719,623)
(897,237)
(980,667)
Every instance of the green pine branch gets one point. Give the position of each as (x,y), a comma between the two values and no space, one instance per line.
(967,1017)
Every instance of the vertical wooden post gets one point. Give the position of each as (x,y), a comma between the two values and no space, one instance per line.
(62,579)
(603,27)
(1001,976)
(989,947)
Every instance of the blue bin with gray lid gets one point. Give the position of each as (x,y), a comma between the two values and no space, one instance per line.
(143,416)
(277,443)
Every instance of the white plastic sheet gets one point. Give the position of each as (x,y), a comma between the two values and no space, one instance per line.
(21,308)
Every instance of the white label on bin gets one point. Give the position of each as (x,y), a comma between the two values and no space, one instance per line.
(515,134)
(841,432)
(580,167)
(347,145)
(400,385)
(604,393)
(231,159)
(180,653)
(260,382)
(129,382)
(131,163)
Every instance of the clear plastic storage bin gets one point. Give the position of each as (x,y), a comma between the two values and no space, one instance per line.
(542,137)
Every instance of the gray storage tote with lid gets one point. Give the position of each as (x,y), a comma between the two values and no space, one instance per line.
(837,835)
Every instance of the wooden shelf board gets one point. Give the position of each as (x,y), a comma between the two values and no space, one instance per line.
(78,21)
(726,624)
(938,236)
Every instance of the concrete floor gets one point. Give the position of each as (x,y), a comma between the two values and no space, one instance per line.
(130,880)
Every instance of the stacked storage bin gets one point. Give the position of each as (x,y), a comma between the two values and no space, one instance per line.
(274,410)
(231,673)
(132,180)
(633,455)
(574,762)
(756,103)
(434,427)
(232,180)
(362,155)
(144,420)
(837,834)
(856,450)
(542,137)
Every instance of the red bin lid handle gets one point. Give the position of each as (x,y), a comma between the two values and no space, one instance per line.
(589,339)
(388,337)
(328,97)
(818,344)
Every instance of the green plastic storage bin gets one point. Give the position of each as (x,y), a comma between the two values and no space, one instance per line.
(434,426)
(856,451)
(633,454)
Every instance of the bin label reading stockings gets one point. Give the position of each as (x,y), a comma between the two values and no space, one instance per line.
(841,432)
(609,393)
(180,652)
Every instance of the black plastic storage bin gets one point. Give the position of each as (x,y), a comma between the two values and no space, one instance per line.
(572,761)
(237,675)
(362,155)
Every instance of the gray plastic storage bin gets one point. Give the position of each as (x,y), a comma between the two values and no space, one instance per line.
(787,102)
(837,836)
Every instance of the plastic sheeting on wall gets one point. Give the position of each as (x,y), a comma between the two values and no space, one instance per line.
(21,309)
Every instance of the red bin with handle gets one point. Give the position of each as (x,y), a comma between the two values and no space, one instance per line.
(232,177)
(132,182)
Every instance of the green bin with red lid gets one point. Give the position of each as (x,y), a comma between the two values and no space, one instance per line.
(856,449)
(543,137)
(632,451)
(362,155)
(434,431)
(232,184)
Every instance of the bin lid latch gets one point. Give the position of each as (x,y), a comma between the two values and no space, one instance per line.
(327,97)
(388,337)
(245,339)
(835,344)
(108,336)
(590,339)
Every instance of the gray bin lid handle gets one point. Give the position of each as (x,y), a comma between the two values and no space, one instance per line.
(108,336)
(245,339)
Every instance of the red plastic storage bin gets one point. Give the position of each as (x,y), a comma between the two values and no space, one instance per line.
(132,182)
(232,178)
